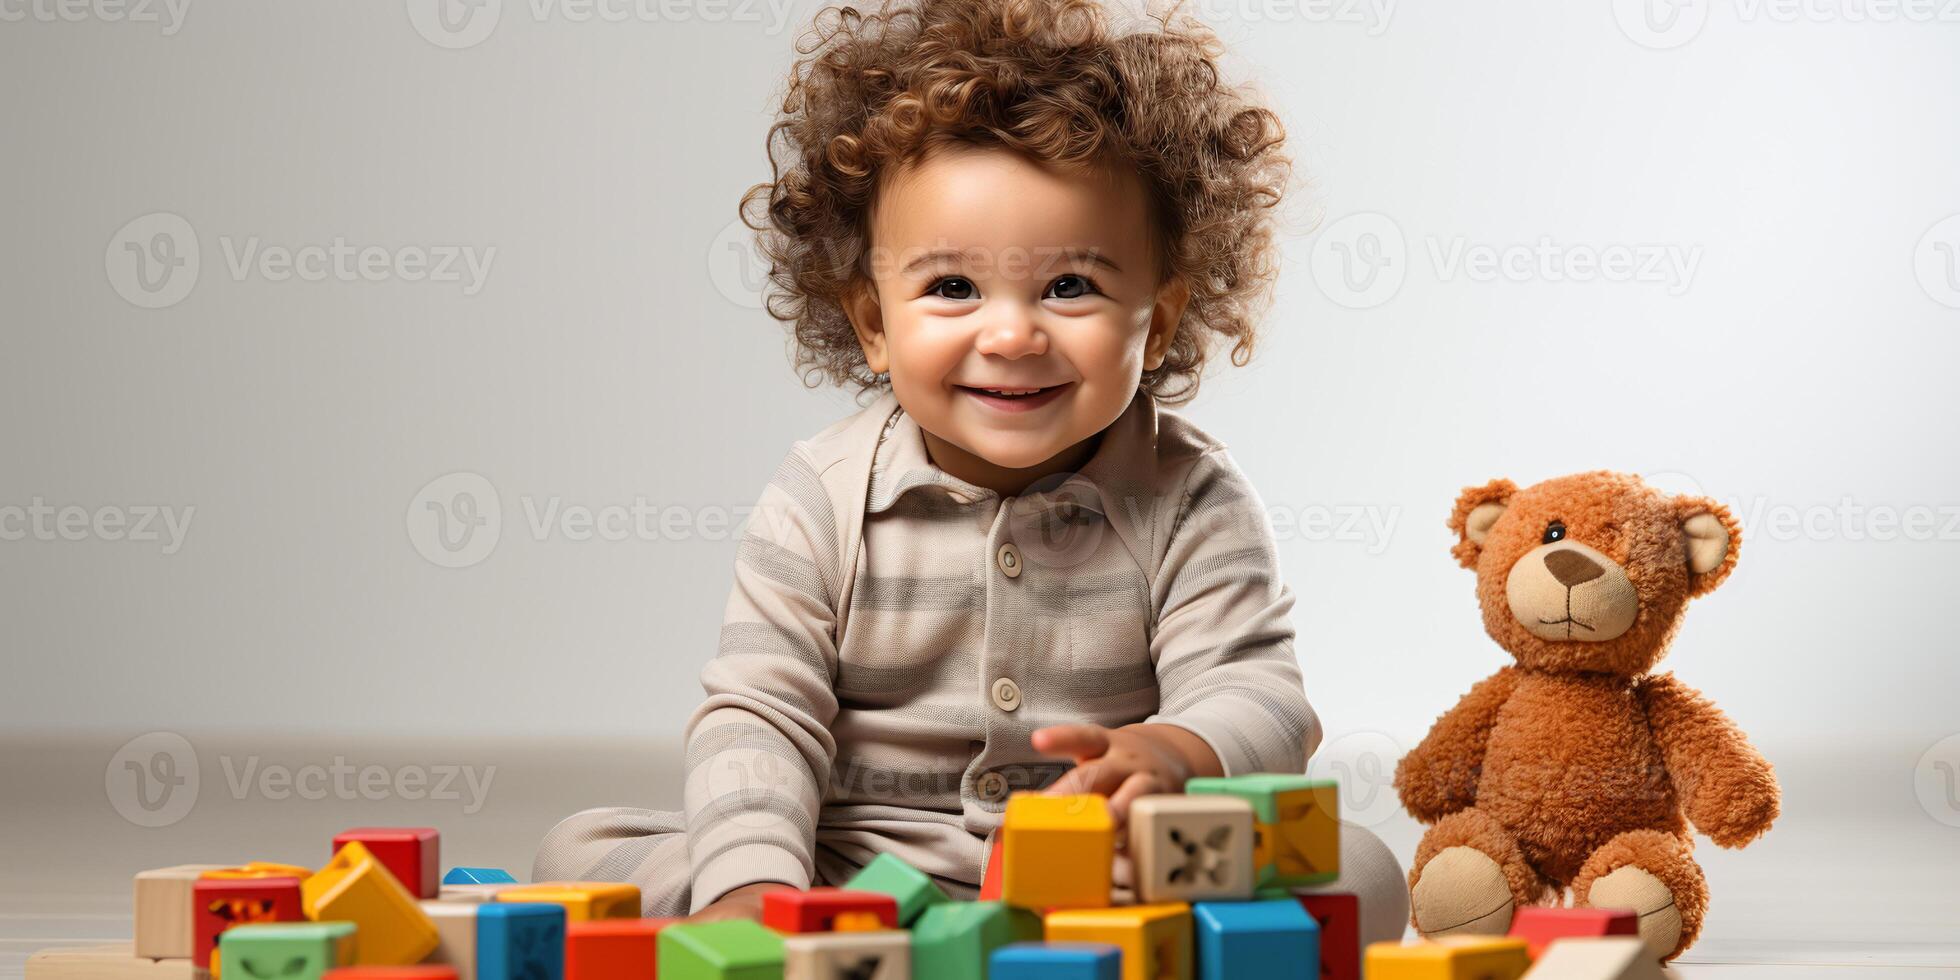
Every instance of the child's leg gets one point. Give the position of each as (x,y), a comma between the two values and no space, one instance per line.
(1370,871)
(647,848)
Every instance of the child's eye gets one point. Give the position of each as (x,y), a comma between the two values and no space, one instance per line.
(1070,286)
(951,287)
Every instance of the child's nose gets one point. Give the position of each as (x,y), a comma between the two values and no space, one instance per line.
(1012,332)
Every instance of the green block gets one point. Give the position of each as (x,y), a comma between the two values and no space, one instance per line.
(954,940)
(1260,789)
(733,949)
(912,888)
(287,950)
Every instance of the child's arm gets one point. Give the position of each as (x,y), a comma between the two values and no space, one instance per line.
(759,749)
(1439,776)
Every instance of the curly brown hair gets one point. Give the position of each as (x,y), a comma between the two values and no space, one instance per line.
(1055,81)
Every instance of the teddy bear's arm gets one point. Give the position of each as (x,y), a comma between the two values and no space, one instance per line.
(1727,788)
(1439,777)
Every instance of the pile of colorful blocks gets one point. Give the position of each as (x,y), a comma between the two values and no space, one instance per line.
(1224,888)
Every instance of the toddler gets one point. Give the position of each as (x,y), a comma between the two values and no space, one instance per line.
(1023,230)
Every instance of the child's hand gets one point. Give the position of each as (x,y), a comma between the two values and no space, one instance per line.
(740,903)
(1125,763)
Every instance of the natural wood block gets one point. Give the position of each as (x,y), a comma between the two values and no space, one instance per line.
(163,911)
(115,961)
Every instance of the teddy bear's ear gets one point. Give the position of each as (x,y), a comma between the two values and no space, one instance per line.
(1713,536)
(1477,508)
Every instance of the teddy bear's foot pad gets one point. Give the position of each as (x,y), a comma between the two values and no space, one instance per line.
(1634,888)
(1462,892)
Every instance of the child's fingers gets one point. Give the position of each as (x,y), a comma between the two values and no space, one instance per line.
(1090,777)
(1137,784)
(1077,742)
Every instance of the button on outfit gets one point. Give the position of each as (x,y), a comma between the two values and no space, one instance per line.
(1009,560)
(1007,694)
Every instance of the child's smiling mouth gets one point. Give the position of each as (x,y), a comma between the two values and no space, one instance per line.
(1020,399)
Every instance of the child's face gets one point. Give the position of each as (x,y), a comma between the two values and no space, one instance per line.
(989,271)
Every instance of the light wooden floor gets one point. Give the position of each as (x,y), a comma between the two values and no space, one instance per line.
(1855,880)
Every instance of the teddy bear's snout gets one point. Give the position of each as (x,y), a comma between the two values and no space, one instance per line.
(1572,568)
(1566,590)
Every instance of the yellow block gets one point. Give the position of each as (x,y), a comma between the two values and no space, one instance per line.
(1454,958)
(1306,839)
(260,869)
(354,887)
(584,901)
(1155,939)
(1059,851)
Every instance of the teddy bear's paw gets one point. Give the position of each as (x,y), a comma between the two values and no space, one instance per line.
(1462,892)
(1634,888)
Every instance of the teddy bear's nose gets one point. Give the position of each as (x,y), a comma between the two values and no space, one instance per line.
(1572,568)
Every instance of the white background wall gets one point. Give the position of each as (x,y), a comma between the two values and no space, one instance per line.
(1804,370)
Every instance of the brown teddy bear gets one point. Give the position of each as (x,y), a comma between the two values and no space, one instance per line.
(1577,767)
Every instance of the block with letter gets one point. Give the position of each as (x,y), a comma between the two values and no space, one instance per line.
(163,911)
(1060,851)
(478,876)
(1604,958)
(819,909)
(1188,848)
(219,904)
(287,950)
(912,889)
(1299,826)
(1339,916)
(1245,939)
(412,854)
(113,961)
(1155,939)
(732,949)
(455,924)
(584,901)
(613,949)
(953,940)
(520,941)
(355,887)
(1450,958)
(876,955)
(1057,961)
(1539,925)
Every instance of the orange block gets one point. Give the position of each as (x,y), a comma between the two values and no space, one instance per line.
(613,949)
(584,901)
(431,972)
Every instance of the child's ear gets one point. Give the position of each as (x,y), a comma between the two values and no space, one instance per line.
(860,302)
(1172,297)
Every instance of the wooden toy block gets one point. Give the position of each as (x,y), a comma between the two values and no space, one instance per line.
(912,889)
(470,894)
(1246,939)
(991,878)
(1339,916)
(613,949)
(478,876)
(732,949)
(287,950)
(163,911)
(1059,851)
(1057,961)
(113,961)
(261,869)
(953,940)
(1453,958)
(1298,820)
(520,941)
(1605,958)
(1539,925)
(424,972)
(584,901)
(880,955)
(817,910)
(1155,939)
(356,888)
(218,904)
(412,854)
(1187,848)
(455,936)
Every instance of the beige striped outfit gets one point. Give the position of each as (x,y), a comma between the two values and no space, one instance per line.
(895,633)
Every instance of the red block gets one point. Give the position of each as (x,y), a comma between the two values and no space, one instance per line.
(1339,915)
(990,881)
(1538,926)
(429,972)
(412,854)
(613,949)
(218,904)
(816,909)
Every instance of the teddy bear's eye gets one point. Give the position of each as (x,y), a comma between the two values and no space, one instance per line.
(1554,531)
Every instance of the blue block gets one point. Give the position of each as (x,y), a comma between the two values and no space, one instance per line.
(1056,961)
(478,876)
(520,941)
(1238,940)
